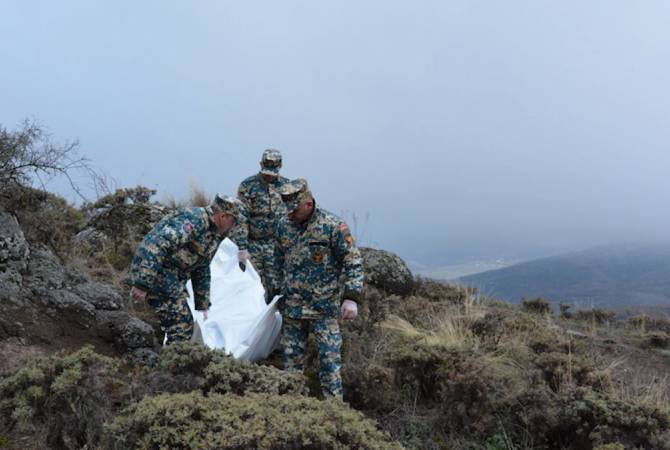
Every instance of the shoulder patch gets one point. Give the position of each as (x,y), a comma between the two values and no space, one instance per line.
(187,227)
(344,227)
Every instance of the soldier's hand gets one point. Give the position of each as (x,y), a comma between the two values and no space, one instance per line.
(349,310)
(243,256)
(138,294)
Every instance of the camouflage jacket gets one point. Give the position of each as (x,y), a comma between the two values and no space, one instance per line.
(179,247)
(263,209)
(318,265)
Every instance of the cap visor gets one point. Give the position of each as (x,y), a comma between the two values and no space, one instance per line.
(271,172)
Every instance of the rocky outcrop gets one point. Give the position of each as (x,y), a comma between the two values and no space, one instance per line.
(122,217)
(43,300)
(387,271)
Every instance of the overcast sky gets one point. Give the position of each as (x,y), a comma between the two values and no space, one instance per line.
(452,129)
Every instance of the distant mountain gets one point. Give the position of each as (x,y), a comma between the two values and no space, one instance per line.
(455,271)
(613,276)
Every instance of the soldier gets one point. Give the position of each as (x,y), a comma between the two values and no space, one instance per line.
(263,207)
(179,247)
(321,275)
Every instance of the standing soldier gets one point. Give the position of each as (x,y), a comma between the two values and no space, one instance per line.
(263,208)
(179,247)
(321,275)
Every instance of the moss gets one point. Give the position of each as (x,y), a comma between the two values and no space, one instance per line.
(257,421)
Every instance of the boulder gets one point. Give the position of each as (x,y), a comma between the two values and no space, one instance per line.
(387,271)
(126,331)
(137,334)
(46,269)
(101,296)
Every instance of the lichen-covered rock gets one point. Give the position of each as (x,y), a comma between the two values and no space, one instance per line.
(102,296)
(125,331)
(137,334)
(46,269)
(68,308)
(387,271)
(91,240)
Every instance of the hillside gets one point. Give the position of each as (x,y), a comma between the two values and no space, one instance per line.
(610,277)
(426,365)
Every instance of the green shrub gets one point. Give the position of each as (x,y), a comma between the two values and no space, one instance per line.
(238,377)
(610,447)
(596,315)
(66,399)
(656,339)
(565,311)
(590,418)
(45,218)
(536,306)
(647,323)
(258,421)
(441,292)
(187,366)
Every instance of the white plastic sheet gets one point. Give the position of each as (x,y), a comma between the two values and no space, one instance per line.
(238,321)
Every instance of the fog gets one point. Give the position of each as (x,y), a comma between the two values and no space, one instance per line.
(444,131)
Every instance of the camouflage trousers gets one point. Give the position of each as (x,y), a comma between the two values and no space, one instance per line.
(263,258)
(173,316)
(329,342)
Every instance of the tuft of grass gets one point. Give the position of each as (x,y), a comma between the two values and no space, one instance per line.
(199,196)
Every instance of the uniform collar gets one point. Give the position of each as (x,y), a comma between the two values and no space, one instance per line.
(273,182)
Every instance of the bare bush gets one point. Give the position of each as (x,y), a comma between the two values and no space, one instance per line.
(27,155)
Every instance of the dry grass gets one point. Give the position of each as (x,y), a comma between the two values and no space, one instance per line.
(197,196)
(449,328)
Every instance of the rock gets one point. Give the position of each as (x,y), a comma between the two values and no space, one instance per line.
(136,334)
(91,240)
(14,249)
(125,222)
(127,332)
(66,306)
(101,296)
(44,268)
(387,271)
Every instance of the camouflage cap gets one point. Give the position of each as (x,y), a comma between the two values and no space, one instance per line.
(271,162)
(294,193)
(228,205)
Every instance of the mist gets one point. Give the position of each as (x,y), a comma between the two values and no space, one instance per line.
(444,131)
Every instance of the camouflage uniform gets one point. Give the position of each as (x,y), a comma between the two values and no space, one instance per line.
(319,266)
(263,208)
(179,247)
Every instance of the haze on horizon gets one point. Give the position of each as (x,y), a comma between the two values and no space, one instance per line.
(452,130)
